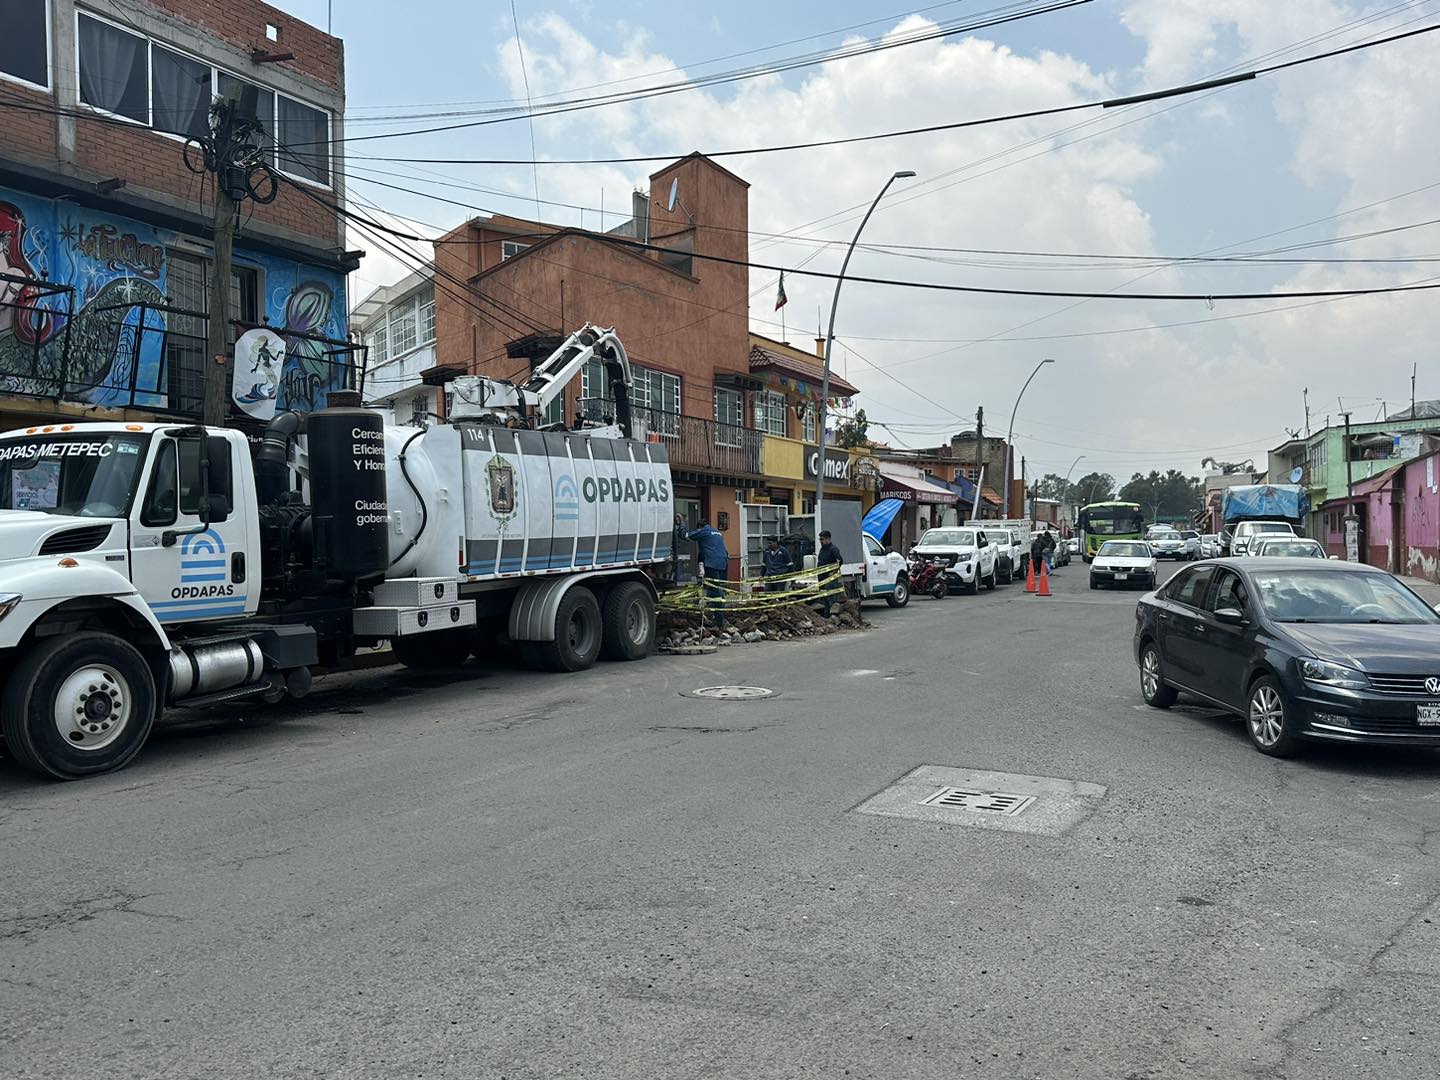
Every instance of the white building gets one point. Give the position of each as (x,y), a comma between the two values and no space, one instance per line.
(397,322)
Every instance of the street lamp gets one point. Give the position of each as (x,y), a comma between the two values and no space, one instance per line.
(1010,435)
(830,347)
(1065,486)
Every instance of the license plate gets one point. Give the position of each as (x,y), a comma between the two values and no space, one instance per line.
(1126,577)
(1428,715)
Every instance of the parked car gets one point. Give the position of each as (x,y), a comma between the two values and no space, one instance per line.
(1192,543)
(1209,545)
(1072,546)
(969,553)
(1244,532)
(1165,542)
(1287,547)
(1123,562)
(1299,648)
(1012,554)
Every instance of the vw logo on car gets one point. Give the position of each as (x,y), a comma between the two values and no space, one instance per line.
(1432,685)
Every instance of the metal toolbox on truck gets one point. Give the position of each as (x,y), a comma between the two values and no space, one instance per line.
(416,592)
(403,621)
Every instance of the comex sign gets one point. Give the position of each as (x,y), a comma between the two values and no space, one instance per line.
(837,466)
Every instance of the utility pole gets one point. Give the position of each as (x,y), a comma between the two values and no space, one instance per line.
(1412,392)
(232,153)
(979,456)
(1306,395)
(1349,471)
(1023,489)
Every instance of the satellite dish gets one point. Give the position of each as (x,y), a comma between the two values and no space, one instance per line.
(1296,474)
(674,194)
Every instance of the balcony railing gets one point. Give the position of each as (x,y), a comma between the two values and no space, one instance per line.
(692,442)
(144,353)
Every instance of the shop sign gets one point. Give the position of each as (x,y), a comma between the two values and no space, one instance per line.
(837,465)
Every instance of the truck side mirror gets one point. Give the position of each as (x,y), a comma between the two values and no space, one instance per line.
(217,509)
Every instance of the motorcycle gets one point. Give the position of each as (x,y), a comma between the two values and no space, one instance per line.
(928,576)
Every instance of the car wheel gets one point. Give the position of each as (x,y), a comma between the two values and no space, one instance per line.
(990,581)
(1094,584)
(901,596)
(1152,680)
(1268,719)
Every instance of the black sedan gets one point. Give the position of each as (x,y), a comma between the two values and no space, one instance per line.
(1299,648)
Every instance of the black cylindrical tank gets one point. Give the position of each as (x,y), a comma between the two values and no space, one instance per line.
(347,491)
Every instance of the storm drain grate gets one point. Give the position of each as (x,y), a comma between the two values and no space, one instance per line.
(733,693)
(987,802)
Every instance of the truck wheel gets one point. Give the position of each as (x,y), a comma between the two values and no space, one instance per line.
(901,596)
(78,705)
(433,650)
(990,581)
(578,633)
(629,622)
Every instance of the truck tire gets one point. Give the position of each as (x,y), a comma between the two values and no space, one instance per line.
(433,650)
(628,622)
(990,581)
(78,705)
(578,633)
(901,596)
(1009,571)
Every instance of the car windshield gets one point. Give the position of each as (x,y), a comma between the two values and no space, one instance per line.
(1111,520)
(1335,596)
(1292,549)
(89,475)
(949,537)
(1264,527)
(1122,549)
(1164,534)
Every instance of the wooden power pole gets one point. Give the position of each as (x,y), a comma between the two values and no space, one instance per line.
(979,458)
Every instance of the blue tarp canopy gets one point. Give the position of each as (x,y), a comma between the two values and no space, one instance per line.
(880,516)
(1264,501)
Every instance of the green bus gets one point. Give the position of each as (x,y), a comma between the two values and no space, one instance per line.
(1103,521)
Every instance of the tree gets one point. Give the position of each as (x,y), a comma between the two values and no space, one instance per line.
(1164,497)
(853,431)
(1053,486)
(1094,487)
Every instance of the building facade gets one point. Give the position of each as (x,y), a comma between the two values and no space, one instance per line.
(1332,469)
(107,231)
(396,323)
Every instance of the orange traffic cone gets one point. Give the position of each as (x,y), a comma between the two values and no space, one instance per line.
(1030,575)
(1044,580)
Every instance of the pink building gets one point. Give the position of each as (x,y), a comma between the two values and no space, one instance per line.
(1400,512)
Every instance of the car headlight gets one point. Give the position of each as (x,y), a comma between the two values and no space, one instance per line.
(1325,673)
(7,602)
(967,556)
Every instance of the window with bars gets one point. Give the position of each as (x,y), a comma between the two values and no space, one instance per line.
(809,421)
(770,413)
(510,248)
(403,328)
(379,345)
(659,392)
(427,317)
(188,288)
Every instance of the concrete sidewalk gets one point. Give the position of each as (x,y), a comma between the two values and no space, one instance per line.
(1427,589)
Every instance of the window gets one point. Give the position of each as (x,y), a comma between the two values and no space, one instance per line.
(180,93)
(402,328)
(1229,593)
(160,500)
(227,85)
(379,345)
(1189,589)
(510,248)
(302,135)
(809,420)
(419,411)
(872,546)
(188,284)
(427,317)
(25,44)
(659,392)
(729,416)
(114,70)
(770,412)
(554,413)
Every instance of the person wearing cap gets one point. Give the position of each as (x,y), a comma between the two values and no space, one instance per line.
(828,555)
(777,560)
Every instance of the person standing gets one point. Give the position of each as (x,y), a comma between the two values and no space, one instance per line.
(714,560)
(1037,551)
(828,555)
(777,560)
(1050,550)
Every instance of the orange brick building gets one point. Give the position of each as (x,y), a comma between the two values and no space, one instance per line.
(103,275)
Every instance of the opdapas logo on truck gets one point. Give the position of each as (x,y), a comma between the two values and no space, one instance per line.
(597,489)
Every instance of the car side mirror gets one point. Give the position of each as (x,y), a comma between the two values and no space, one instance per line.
(1230,616)
(1335,557)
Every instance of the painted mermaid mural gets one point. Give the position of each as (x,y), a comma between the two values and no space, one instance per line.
(116,268)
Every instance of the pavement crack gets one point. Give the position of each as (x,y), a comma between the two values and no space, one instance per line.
(77,911)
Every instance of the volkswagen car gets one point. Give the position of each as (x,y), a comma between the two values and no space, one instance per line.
(1123,562)
(1298,648)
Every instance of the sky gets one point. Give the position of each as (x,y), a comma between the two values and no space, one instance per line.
(1307,156)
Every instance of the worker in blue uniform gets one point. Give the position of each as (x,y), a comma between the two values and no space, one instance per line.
(714,559)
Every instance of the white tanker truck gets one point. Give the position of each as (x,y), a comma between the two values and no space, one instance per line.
(146,565)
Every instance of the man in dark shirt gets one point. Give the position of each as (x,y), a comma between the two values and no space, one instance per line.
(714,560)
(828,555)
(777,561)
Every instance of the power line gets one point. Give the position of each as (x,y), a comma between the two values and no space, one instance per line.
(1029,114)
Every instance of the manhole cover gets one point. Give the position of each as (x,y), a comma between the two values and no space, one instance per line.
(733,693)
(987,802)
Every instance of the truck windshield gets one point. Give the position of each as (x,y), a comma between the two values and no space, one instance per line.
(952,537)
(81,475)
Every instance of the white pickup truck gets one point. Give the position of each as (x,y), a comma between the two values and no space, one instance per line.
(1011,540)
(968,552)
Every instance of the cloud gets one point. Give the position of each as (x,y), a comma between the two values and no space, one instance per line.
(1085,183)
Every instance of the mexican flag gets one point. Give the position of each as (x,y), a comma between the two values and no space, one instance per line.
(780,298)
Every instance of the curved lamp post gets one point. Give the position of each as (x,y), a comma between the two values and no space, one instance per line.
(829,348)
(1010,435)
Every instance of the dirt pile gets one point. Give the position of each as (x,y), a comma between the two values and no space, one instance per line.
(786,623)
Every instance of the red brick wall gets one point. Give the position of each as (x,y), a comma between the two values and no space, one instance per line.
(242,23)
(29,133)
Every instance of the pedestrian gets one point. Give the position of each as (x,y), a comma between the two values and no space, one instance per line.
(1050,550)
(777,561)
(828,555)
(1037,551)
(714,560)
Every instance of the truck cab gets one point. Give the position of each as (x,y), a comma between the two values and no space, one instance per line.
(967,551)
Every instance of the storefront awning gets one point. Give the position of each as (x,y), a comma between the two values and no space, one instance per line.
(909,489)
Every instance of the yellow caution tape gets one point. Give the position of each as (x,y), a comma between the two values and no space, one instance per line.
(753,594)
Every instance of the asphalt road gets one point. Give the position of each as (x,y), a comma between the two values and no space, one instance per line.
(508,875)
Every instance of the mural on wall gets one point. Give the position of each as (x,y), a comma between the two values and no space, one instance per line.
(116,267)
